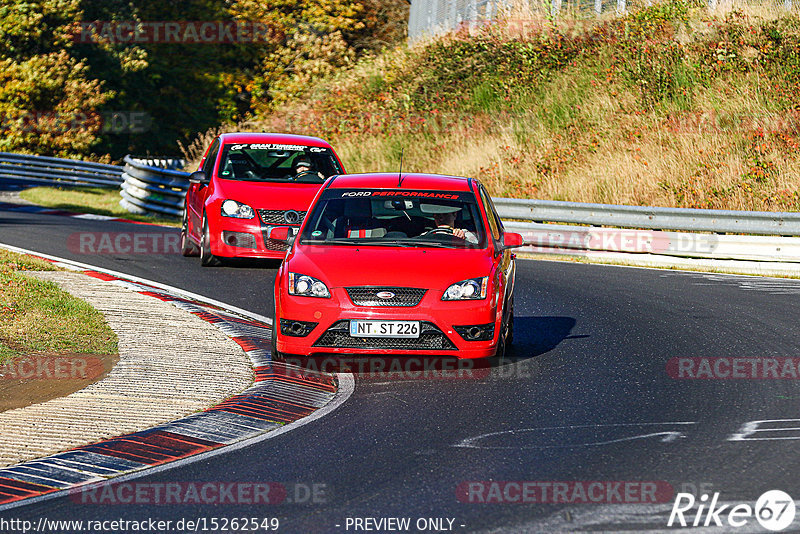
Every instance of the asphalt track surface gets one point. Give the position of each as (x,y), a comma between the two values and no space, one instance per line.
(584,397)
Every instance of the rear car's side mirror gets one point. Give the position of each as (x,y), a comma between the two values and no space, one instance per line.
(279,234)
(198,177)
(512,240)
(282,233)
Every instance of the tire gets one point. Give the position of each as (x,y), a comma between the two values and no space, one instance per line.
(506,337)
(207,259)
(510,326)
(500,353)
(276,356)
(187,247)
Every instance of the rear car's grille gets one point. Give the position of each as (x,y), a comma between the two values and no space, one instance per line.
(282,217)
(430,338)
(274,244)
(400,296)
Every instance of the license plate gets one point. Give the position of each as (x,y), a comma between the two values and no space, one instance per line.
(384,328)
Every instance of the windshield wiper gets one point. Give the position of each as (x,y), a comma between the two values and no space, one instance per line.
(436,244)
(332,241)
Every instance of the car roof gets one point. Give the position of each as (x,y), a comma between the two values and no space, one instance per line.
(278,138)
(389,180)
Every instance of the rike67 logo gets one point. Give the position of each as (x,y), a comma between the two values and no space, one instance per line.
(774,510)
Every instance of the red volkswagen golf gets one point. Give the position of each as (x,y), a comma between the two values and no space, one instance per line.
(389,264)
(247,185)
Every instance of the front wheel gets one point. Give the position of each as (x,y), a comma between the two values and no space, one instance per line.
(187,247)
(506,337)
(276,356)
(207,259)
(510,326)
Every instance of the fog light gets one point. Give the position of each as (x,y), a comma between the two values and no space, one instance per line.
(238,239)
(296,328)
(477,332)
(474,332)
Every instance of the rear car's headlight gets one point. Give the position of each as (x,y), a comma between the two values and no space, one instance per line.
(307,286)
(231,208)
(472,289)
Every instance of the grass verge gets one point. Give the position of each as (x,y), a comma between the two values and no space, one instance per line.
(95,200)
(37,316)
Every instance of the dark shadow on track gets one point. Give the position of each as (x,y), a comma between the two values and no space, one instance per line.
(533,336)
(248,263)
(11,220)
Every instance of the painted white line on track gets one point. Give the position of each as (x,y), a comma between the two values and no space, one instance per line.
(345,389)
(63,262)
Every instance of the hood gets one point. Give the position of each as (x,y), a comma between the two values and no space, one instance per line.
(430,268)
(269,195)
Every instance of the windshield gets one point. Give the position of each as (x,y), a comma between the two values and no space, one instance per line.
(277,163)
(395,218)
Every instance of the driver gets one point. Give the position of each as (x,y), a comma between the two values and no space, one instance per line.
(445,217)
(303,167)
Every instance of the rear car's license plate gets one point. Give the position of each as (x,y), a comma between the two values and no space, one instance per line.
(360,328)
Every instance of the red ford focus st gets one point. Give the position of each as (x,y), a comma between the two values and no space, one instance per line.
(384,265)
(247,185)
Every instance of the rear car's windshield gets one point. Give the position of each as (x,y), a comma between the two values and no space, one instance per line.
(277,163)
(395,218)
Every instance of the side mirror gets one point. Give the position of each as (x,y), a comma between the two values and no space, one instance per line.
(198,177)
(283,233)
(512,240)
(279,234)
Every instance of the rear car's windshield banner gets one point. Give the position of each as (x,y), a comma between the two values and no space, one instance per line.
(404,193)
(273,146)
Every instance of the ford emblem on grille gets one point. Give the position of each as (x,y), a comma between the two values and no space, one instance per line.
(291,217)
(384,295)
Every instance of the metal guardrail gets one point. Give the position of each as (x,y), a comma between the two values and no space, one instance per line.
(688,220)
(429,18)
(153,186)
(44,170)
(631,230)
(594,241)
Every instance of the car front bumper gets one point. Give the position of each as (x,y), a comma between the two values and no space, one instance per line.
(439,321)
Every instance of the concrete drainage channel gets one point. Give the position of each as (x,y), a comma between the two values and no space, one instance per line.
(281,398)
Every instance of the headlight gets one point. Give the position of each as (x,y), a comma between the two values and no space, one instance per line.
(472,289)
(231,208)
(307,286)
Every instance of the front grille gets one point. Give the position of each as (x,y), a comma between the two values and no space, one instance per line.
(430,338)
(274,244)
(282,217)
(403,296)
